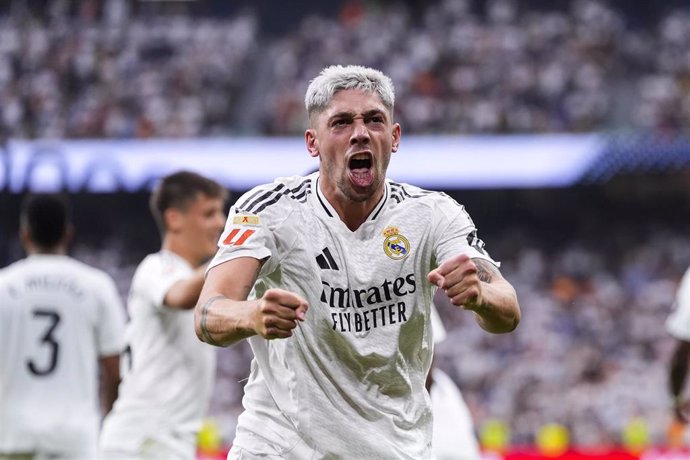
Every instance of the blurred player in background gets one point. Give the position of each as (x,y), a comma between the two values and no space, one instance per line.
(678,325)
(453,437)
(364,255)
(167,373)
(60,320)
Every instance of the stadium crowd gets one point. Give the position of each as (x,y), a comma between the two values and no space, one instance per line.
(593,333)
(121,77)
(460,67)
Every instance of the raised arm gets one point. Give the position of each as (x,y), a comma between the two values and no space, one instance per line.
(183,295)
(477,285)
(223,315)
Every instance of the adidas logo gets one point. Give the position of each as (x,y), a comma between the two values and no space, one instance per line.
(326,261)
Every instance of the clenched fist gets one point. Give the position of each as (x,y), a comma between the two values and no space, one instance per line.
(461,279)
(277,313)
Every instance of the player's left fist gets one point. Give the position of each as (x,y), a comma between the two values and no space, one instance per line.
(458,278)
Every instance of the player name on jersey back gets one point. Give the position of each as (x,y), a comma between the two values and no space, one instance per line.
(42,282)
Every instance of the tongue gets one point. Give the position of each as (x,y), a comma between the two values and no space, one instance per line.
(362,177)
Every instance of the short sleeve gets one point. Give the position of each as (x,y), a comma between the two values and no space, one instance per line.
(455,233)
(678,322)
(111,322)
(156,275)
(252,233)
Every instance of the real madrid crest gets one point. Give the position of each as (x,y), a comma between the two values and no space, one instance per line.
(396,246)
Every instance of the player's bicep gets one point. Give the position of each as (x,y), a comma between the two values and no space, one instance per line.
(233,279)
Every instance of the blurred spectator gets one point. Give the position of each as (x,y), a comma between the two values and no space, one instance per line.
(162,76)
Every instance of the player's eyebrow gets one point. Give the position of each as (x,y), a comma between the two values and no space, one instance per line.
(342,114)
(372,112)
(350,114)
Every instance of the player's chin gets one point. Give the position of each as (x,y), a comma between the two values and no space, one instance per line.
(359,192)
(360,195)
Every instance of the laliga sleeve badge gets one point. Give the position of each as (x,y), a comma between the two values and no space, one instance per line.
(235,238)
(396,246)
(240,233)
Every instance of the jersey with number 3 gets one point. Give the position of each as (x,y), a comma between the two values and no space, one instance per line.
(349,383)
(57,317)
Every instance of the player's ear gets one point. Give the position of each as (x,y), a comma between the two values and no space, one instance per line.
(312,142)
(396,137)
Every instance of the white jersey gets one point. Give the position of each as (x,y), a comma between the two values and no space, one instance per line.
(453,433)
(57,317)
(678,323)
(167,371)
(453,437)
(349,383)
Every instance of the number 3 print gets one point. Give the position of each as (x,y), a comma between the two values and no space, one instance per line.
(48,340)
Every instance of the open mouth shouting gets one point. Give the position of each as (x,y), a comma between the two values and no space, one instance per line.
(360,169)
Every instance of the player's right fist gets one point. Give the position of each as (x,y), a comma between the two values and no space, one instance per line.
(278,312)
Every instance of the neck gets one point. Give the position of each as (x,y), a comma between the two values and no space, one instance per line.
(47,251)
(353,213)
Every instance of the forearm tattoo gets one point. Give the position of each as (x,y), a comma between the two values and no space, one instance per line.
(486,271)
(204,317)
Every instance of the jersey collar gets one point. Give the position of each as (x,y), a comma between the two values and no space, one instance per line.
(325,208)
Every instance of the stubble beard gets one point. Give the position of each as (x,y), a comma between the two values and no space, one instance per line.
(348,190)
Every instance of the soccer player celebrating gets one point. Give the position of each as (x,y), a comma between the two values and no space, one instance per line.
(167,388)
(340,268)
(60,320)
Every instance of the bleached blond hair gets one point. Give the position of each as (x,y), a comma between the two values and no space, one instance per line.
(337,77)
